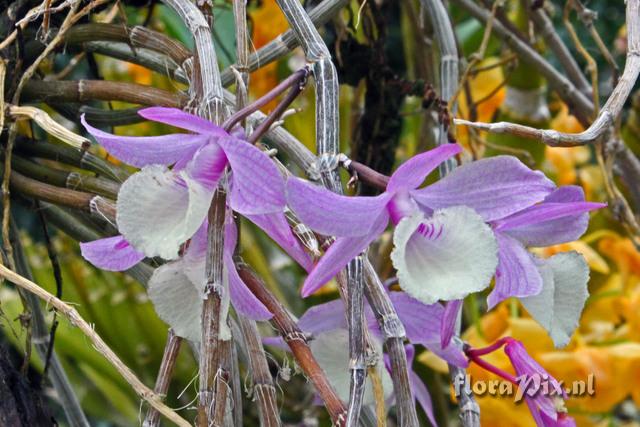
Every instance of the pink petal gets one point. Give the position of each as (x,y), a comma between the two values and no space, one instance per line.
(112,253)
(449,321)
(343,250)
(257,187)
(495,188)
(517,274)
(277,227)
(178,118)
(422,326)
(332,214)
(421,394)
(323,317)
(560,218)
(141,151)
(413,172)
(207,166)
(242,298)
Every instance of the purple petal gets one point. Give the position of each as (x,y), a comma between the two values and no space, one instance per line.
(449,321)
(242,298)
(323,317)
(545,212)
(277,342)
(141,151)
(277,227)
(421,393)
(207,166)
(422,326)
(524,365)
(517,274)
(257,187)
(343,250)
(332,214)
(414,171)
(112,253)
(560,218)
(494,187)
(178,118)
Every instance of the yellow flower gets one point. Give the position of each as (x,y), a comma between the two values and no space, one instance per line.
(622,252)
(615,369)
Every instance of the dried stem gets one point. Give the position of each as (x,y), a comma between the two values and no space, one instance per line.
(214,317)
(167,365)
(97,206)
(449,73)
(206,85)
(64,154)
(263,388)
(545,28)
(587,17)
(394,335)
(297,342)
(207,96)
(445,39)
(328,146)
(49,125)
(583,107)
(88,90)
(242,52)
(69,312)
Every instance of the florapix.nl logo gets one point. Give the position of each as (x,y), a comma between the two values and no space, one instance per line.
(525,386)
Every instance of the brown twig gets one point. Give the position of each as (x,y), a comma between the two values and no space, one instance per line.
(98,206)
(88,90)
(297,342)
(263,388)
(167,365)
(214,318)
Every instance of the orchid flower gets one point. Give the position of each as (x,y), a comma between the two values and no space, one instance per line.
(545,401)
(159,209)
(444,249)
(327,325)
(176,288)
(553,290)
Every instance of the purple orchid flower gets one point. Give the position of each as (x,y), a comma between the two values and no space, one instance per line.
(176,288)
(327,325)
(543,394)
(159,209)
(552,290)
(444,249)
